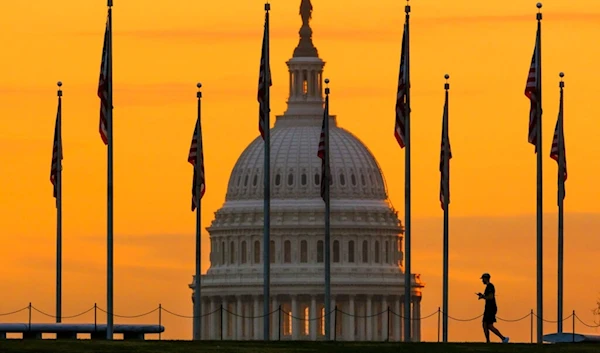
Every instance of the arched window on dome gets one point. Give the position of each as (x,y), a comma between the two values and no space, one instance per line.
(290,179)
(306,320)
(322,321)
(272,251)
(246,180)
(222,253)
(351,251)
(320,251)
(336,251)
(304,82)
(377,251)
(256,252)
(387,252)
(287,252)
(255,180)
(303,251)
(277,179)
(317,179)
(365,251)
(244,252)
(232,253)
(362,180)
(342,179)
(303,179)
(353,179)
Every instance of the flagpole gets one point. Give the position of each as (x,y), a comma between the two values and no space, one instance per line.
(327,221)
(446,181)
(561,196)
(267,188)
(59,208)
(540,239)
(109,123)
(197,327)
(407,182)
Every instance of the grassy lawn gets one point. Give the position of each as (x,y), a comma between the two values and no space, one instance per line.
(10,346)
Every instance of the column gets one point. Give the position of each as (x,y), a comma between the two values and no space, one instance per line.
(275,324)
(248,313)
(313,323)
(256,329)
(417,316)
(239,335)
(369,321)
(351,319)
(205,324)
(334,317)
(295,321)
(213,319)
(225,323)
(414,320)
(397,320)
(385,329)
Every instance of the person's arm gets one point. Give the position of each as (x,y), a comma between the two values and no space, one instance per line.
(489,293)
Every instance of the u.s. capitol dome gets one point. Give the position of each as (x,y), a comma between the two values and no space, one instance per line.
(367,275)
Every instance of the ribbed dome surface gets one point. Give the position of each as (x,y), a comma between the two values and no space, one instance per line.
(296,169)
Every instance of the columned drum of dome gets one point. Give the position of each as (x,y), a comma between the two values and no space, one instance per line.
(367,278)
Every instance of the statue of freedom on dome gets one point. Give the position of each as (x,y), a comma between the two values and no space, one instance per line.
(306,11)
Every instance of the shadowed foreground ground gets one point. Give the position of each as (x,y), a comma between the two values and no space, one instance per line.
(10,346)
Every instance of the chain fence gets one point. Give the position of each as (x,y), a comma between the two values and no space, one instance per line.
(283,327)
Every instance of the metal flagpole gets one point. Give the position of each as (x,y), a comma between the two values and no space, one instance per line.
(540,239)
(561,196)
(446,181)
(109,123)
(267,186)
(199,175)
(59,207)
(407,181)
(327,303)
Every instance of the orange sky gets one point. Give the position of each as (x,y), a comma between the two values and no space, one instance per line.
(161,51)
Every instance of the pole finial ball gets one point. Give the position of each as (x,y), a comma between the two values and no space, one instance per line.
(199,85)
(327,81)
(539,5)
(562,74)
(59,83)
(446,76)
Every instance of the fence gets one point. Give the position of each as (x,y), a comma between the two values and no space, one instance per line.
(221,312)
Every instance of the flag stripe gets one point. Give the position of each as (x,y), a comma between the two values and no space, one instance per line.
(264,109)
(531,92)
(401,104)
(195,148)
(445,144)
(56,164)
(558,149)
(323,152)
(103,89)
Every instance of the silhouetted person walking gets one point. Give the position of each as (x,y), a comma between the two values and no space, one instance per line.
(489,313)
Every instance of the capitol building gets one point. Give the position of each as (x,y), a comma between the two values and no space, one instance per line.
(367,277)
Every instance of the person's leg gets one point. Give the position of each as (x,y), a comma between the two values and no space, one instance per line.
(486,332)
(495,331)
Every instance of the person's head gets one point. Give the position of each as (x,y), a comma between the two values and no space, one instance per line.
(485,278)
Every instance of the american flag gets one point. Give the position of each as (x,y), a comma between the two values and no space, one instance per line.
(445,144)
(56,163)
(559,152)
(403,86)
(192,159)
(531,91)
(264,110)
(103,89)
(325,172)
